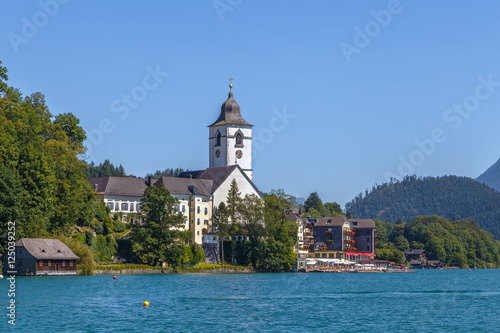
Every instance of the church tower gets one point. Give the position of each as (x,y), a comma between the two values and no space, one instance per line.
(230,138)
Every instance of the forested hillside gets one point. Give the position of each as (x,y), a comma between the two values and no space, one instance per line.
(168,172)
(459,243)
(42,186)
(105,169)
(448,196)
(491,177)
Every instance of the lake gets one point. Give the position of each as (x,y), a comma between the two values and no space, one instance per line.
(424,301)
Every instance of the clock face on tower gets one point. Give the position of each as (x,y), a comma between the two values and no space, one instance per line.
(239,154)
(217,153)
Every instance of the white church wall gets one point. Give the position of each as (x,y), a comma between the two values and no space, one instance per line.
(244,186)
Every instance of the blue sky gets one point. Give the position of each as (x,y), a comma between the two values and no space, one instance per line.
(342,94)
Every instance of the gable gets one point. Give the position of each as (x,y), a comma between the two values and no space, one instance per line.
(245,186)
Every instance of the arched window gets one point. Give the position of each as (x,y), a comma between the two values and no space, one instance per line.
(198,221)
(239,139)
(217,138)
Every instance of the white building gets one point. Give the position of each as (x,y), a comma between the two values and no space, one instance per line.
(198,192)
(230,138)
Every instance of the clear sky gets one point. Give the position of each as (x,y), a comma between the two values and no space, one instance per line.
(343,94)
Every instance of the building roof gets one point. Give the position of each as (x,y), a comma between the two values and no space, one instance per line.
(218,175)
(125,186)
(47,249)
(362,223)
(293,217)
(230,113)
(336,221)
(414,252)
(186,186)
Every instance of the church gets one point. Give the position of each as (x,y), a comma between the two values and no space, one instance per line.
(198,192)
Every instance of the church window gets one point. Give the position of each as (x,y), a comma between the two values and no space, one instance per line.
(183,208)
(217,138)
(206,210)
(205,222)
(198,209)
(239,139)
(198,221)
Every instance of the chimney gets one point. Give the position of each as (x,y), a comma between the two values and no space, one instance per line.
(149,181)
(190,176)
(95,187)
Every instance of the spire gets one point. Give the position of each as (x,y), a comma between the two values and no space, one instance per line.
(230,111)
(230,88)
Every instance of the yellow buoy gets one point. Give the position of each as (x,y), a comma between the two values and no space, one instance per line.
(146,303)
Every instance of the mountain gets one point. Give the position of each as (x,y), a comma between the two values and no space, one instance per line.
(491,177)
(448,196)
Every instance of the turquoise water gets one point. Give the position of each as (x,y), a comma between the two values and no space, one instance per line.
(425,301)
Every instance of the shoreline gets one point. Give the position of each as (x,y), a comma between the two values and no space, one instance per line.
(167,271)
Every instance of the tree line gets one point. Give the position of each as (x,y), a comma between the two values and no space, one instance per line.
(448,196)
(459,243)
(268,237)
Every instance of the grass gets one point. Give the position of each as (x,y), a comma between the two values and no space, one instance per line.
(184,269)
(121,267)
(211,267)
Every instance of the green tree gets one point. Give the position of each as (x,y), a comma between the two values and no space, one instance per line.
(155,238)
(250,213)
(10,191)
(391,254)
(333,209)
(313,201)
(401,243)
(233,200)
(86,262)
(221,222)
(383,231)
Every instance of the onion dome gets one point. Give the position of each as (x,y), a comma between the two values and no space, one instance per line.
(230,112)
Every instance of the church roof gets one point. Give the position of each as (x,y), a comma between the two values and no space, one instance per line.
(230,113)
(218,175)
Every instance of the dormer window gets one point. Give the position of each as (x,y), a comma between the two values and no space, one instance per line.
(239,139)
(217,138)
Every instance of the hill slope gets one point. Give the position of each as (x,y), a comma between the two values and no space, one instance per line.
(491,177)
(449,196)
